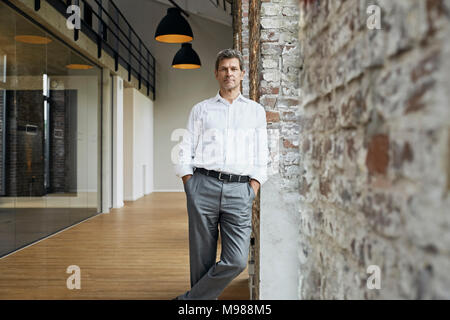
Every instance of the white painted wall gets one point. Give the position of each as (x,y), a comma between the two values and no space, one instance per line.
(128,144)
(138,144)
(106,145)
(279,247)
(87,126)
(177,91)
(118,190)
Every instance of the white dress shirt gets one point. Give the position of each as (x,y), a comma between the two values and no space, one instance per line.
(230,138)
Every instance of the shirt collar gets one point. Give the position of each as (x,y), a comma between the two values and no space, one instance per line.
(219,98)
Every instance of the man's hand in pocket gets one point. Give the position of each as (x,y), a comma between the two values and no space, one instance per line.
(186,178)
(255,185)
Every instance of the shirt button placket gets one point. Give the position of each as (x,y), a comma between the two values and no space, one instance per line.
(226,135)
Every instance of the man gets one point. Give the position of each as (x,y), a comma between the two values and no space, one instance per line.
(222,161)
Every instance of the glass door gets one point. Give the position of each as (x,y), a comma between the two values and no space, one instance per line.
(49,132)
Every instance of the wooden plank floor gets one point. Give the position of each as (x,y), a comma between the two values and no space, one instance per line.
(137,252)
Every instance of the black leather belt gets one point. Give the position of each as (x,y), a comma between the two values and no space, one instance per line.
(223,176)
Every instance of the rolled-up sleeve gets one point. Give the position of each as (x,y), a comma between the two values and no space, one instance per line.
(259,171)
(186,151)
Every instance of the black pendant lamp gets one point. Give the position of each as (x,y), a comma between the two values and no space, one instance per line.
(186,58)
(174,28)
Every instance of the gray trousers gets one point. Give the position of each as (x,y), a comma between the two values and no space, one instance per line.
(212,203)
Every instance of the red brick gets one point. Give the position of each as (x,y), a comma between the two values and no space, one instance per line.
(272,116)
(377,159)
(288,144)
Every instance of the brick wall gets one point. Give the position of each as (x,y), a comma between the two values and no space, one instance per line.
(279,93)
(57,140)
(359,134)
(24,157)
(279,86)
(374,148)
(277,90)
(245,46)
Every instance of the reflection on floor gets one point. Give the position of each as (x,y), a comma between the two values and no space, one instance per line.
(21,226)
(140,251)
(52,200)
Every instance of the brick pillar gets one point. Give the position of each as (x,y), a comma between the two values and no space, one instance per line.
(271,53)
(279,93)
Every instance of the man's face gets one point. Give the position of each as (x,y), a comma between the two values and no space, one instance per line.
(229,74)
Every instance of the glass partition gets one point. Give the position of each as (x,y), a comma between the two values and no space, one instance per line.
(49,127)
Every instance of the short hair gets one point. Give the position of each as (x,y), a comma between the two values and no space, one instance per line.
(229,54)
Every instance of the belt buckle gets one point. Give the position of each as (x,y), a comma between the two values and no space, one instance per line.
(220,175)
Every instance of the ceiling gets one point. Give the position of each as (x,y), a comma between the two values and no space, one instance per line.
(28,59)
(32,59)
(208,9)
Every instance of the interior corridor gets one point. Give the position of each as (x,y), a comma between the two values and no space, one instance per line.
(139,251)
